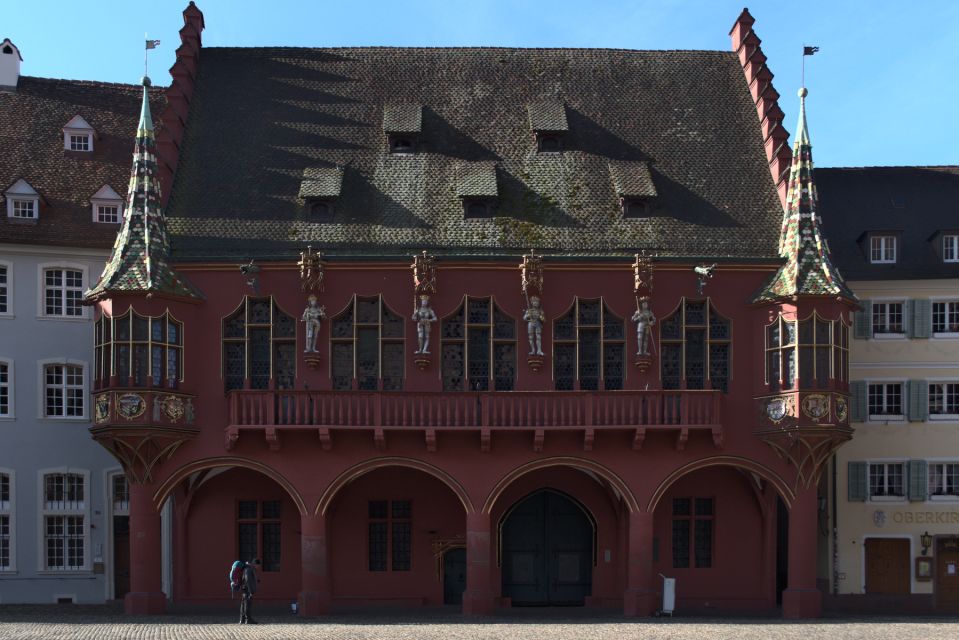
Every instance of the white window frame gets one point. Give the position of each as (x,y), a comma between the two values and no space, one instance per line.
(885,335)
(106,197)
(100,204)
(950,244)
(78,126)
(11,413)
(42,288)
(9,509)
(932,317)
(942,477)
(886,463)
(887,246)
(952,417)
(13,201)
(884,417)
(42,389)
(78,138)
(8,313)
(44,510)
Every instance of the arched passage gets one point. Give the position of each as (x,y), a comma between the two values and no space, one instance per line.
(367,466)
(547,547)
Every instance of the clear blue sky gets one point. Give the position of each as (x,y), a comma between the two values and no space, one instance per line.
(884,87)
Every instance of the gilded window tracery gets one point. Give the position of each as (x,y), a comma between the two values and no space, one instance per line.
(133,347)
(366,343)
(478,347)
(695,347)
(259,345)
(588,347)
(823,352)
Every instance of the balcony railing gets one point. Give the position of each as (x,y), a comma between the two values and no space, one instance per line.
(475,410)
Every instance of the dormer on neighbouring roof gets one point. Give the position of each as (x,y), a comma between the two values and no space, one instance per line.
(78,135)
(10,60)
(476,187)
(634,187)
(23,201)
(320,188)
(547,121)
(107,205)
(402,124)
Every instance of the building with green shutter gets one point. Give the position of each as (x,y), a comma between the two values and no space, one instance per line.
(890,532)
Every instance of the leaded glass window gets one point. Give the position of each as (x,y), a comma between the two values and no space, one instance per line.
(478,348)
(696,347)
(259,532)
(814,350)
(259,346)
(367,344)
(589,348)
(139,349)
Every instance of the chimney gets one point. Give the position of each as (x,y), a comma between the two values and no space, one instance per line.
(9,64)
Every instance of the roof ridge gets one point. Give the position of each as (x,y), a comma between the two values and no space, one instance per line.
(465,48)
(96,83)
(895,166)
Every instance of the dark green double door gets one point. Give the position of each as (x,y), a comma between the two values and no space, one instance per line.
(547,551)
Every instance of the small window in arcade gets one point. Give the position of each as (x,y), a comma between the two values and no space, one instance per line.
(133,347)
(366,344)
(696,347)
(692,533)
(259,346)
(588,348)
(390,535)
(478,347)
(258,532)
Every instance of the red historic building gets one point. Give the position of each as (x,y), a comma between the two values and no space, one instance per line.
(651,391)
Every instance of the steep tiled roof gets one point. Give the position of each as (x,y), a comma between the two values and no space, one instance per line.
(808,269)
(139,261)
(321,182)
(260,116)
(632,179)
(917,204)
(476,179)
(402,118)
(31,147)
(548,115)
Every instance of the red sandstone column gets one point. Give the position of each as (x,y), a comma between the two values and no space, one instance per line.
(640,596)
(146,595)
(802,599)
(478,597)
(315,597)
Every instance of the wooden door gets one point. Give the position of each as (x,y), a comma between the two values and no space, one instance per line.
(121,556)
(454,576)
(887,565)
(947,574)
(547,552)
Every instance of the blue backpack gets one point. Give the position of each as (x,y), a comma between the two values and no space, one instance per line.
(236,575)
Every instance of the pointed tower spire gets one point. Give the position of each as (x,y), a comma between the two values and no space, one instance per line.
(139,262)
(808,270)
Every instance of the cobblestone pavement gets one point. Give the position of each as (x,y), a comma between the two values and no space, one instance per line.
(106,623)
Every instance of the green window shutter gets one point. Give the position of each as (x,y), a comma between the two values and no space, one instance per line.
(856,482)
(857,401)
(921,319)
(918,480)
(918,393)
(907,307)
(862,321)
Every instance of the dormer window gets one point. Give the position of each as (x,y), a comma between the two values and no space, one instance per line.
(547,120)
(882,249)
(107,205)
(477,189)
(78,135)
(320,189)
(23,202)
(402,124)
(950,247)
(633,183)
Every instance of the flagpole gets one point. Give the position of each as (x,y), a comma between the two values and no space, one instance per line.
(145,50)
(803,66)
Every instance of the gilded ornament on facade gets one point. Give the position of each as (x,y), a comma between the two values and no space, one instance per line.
(642,276)
(777,409)
(424,274)
(173,408)
(311,270)
(130,405)
(816,406)
(101,407)
(842,408)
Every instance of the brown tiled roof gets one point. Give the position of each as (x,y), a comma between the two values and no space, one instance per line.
(548,115)
(917,204)
(31,147)
(402,118)
(260,116)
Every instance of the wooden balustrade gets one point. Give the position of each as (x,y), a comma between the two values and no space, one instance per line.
(482,410)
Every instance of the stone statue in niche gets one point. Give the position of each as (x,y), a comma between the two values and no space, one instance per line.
(312,316)
(644,320)
(424,317)
(534,318)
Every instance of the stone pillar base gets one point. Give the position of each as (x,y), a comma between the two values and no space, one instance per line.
(802,603)
(144,604)
(640,602)
(313,603)
(477,604)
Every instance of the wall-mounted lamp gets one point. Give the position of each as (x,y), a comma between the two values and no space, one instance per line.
(925,541)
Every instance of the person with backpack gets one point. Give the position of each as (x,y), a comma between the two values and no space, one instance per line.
(247,590)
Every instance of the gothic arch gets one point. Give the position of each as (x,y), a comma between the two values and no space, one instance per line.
(785,492)
(618,484)
(363,468)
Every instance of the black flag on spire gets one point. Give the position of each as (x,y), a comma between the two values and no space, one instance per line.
(808,51)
